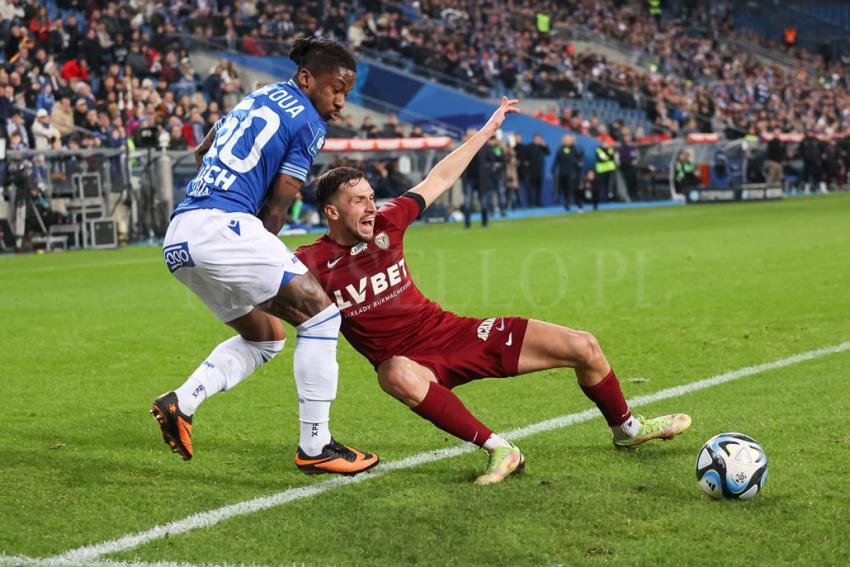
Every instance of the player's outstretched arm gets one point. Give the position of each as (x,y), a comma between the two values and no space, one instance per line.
(449,169)
(283,191)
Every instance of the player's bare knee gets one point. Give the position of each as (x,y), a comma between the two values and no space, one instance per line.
(586,351)
(395,379)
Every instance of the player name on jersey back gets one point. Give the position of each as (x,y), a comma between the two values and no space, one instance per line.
(284,98)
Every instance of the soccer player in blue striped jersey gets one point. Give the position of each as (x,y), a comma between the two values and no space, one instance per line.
(222,244)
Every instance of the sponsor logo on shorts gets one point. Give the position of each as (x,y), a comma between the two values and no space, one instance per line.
(382,241)
(485,327)
(177,256)
(510,340)
(234,226)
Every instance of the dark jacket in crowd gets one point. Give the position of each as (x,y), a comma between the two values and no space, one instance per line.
(480,170)
(568,162)
(810,150)
(536,160)
(775,150)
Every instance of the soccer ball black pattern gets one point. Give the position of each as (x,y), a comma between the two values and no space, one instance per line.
(731,465)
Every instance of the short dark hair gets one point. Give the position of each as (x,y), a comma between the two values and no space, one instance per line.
(330,182)
(321,55)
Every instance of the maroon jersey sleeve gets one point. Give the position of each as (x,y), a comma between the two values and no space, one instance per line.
(311,255)
(402,211)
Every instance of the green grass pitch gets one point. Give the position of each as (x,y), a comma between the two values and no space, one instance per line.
(674,295)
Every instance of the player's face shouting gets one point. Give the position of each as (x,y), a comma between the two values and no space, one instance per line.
(327,92)
(355,205)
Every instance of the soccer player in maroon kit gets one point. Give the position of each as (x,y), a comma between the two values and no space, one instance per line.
(420,351)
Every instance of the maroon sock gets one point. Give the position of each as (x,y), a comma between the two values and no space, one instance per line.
(608,397)
(445,410)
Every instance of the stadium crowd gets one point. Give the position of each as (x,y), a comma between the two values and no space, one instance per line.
(124,62)
(98,73)
(698,80)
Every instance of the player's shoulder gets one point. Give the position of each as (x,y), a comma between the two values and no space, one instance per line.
(315,252)
(408,205)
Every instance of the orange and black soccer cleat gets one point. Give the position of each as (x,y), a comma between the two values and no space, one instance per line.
(335,458)
(176,426)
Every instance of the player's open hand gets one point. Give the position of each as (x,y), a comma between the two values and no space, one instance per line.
(508,106)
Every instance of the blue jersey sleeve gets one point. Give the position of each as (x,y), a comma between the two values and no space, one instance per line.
(304,145)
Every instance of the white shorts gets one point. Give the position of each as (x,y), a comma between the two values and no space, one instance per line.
(229,260)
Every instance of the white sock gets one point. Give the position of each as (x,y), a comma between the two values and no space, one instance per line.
(316,376)
(494,441)
(630,428)
(227,365)
(315,433)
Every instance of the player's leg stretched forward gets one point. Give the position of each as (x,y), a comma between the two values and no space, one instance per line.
(302,303)
(547,346)
(544,346)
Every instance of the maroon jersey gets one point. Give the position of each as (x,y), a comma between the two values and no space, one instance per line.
(384,313)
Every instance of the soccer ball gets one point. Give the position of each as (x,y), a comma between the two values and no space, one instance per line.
(731,465)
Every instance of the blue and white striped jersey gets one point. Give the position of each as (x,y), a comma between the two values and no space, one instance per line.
(273,130)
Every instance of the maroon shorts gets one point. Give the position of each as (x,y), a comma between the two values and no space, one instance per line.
(470,349)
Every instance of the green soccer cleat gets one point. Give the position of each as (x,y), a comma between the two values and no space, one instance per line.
(664,427)
(502,462)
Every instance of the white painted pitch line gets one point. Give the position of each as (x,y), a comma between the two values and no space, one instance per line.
(23,561)
(89,553)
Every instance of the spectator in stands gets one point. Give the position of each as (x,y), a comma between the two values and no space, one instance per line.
(188,82)
(63,116)
(477,182)
(80,110)
(137,61)
(497,171)
(368,129)
(566,171)
(44,133)
(91,122)
(536,153)
(831,163)
(252,44)
(176,141)
(684,172)
(231,95)
(391,128)
(809,151)
(16,142)
(844,152)
(523,164)
(194,129)
(512,196)
(774,163)
(75,69)
(45,99)
(628,163)
(17,124)
(93,47)
(605,169)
